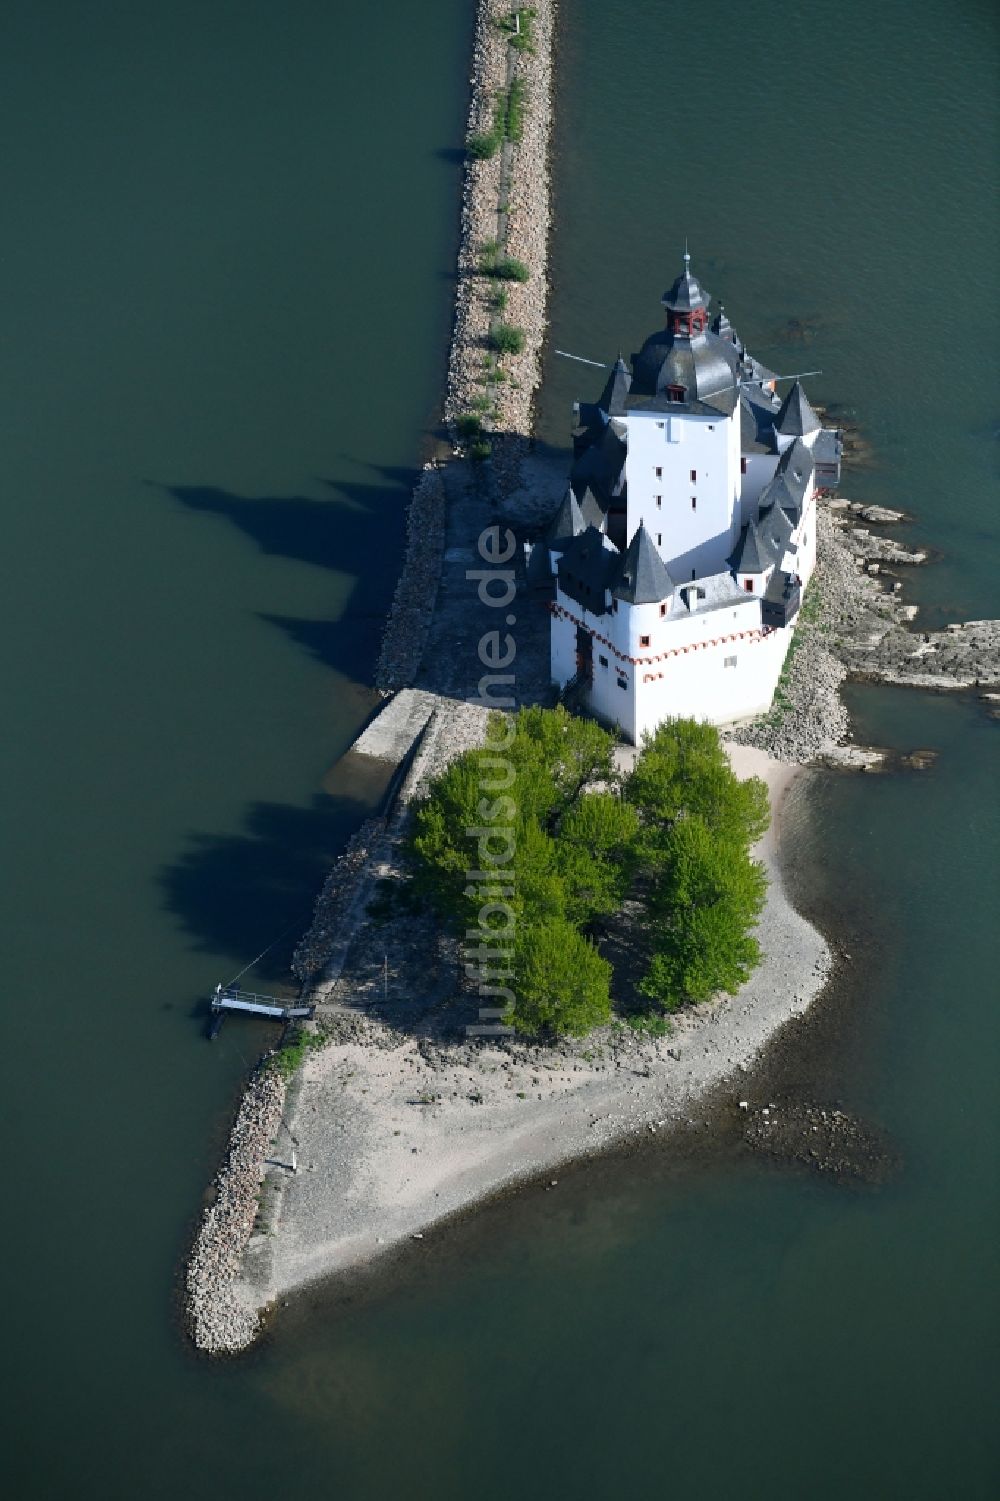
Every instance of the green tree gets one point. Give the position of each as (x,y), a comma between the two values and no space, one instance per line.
(707,897)
(683,771)
(561,984)
(569,752)
(595,847)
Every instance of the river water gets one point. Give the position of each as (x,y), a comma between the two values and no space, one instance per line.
(226,287)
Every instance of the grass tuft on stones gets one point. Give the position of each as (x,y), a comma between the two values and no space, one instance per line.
(506,339)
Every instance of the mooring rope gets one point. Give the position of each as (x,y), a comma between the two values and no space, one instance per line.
(284,932)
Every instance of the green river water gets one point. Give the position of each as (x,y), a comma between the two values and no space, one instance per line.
(226,286)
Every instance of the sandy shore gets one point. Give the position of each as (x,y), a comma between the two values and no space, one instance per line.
(394,1136)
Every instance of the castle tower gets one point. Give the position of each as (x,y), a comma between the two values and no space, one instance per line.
(682,412)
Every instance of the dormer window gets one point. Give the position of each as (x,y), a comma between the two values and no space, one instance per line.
(675,393)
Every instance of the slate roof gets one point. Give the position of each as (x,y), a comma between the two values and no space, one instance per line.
(685,294)
(598,464)
(619,383)
(780,588)
(716,591)
(641,577)
(755,427)
(591,510)
(828,447)
(585,569)
(796,418)
(751,555)
(787,486)
(567,522)
(774,531)
(704,365)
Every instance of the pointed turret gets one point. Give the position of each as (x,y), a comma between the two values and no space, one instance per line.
(796,418)
(618,386)
(751,555)
(591,510)
(567,522)
(641,577)
(686,295)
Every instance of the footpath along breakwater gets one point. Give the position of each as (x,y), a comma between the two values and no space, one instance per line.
(220,1321)
(506,205)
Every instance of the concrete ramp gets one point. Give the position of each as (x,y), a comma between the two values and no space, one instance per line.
(392,733)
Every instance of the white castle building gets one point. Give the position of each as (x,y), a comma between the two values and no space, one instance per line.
(688,532)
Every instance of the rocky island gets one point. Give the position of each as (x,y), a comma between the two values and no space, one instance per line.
(400,1114)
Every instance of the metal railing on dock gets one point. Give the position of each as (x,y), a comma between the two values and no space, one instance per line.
(227,998)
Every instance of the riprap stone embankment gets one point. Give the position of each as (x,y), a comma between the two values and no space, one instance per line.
(220,1321)
(856,625)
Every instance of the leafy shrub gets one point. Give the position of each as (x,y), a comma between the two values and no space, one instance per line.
(509,268)
(506,339)
(484,144)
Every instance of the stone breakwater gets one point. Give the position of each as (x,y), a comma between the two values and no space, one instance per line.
(505,201)
(219,1320)
(526,217)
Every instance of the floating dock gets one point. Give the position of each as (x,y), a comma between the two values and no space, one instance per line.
(227,998)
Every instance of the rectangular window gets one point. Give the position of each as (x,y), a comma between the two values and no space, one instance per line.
(694,502)
(659,502)
(694,476)
(623,682)
(663,609)
(643,640)
(659,473)
(692,573)
(603,661)
(729,662)
(659,539)
(743,466)
(748,586)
